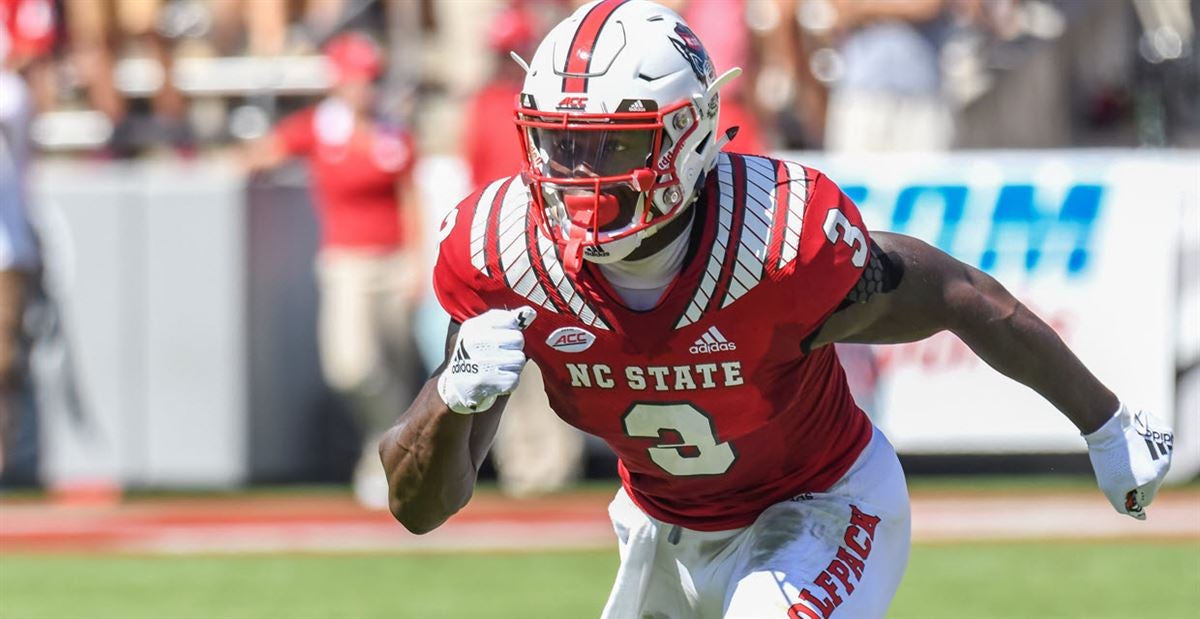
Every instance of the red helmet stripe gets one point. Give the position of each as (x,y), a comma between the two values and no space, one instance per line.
(579,58)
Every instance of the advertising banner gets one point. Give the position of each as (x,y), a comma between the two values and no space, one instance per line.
(1087,240)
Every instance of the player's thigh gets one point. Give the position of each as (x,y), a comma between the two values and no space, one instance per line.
(844,562)
(649,582)
(836,554)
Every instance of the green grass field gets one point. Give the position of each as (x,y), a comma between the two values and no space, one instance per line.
(961,581)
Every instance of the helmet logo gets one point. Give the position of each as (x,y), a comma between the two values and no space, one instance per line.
(572,103)
(637,105)
(692,51)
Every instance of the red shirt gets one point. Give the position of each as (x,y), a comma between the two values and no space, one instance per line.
(26,28)
(490,144)
(354,175)
(714,411)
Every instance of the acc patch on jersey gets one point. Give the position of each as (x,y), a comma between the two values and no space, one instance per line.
(570,339)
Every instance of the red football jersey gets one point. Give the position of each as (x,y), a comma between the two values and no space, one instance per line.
(707,399)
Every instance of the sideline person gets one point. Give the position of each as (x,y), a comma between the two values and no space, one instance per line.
(368,269)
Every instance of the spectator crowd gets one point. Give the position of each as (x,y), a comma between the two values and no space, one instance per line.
(194,74)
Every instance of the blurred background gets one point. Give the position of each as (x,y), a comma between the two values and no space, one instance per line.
(220,216)
(218,213)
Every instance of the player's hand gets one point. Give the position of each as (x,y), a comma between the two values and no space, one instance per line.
(487,360)
(1131,454)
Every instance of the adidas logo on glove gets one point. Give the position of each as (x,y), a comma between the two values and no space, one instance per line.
(1158,443)
(462,362)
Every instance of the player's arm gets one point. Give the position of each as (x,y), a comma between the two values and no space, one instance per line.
(262,154)
(918,291)
(433,453)
(292,137)
(929,291)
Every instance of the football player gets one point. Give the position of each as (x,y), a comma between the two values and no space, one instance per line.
(681,303)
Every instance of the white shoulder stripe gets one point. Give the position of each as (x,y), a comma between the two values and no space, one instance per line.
(716,258)
(479,226)
(756,228)
(516,260)
(797,196)
(760,199)
(558,277)
(514,254)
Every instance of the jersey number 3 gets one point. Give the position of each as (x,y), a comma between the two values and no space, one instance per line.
(688,444)
(838,228)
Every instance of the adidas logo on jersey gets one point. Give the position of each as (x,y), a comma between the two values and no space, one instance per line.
(461,363)
(712,341)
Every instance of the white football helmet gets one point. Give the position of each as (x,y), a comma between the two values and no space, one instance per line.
(618,120)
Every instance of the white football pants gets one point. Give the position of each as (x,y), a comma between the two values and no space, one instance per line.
(839,553)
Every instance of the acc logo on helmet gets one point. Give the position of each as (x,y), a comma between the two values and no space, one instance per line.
(572,103)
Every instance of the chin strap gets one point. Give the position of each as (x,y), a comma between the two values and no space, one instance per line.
(573,252)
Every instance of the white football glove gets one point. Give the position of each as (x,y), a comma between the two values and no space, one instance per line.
(487,360)
(1130,455)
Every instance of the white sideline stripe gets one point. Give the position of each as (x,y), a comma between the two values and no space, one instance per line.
(935,519)
(475,537)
